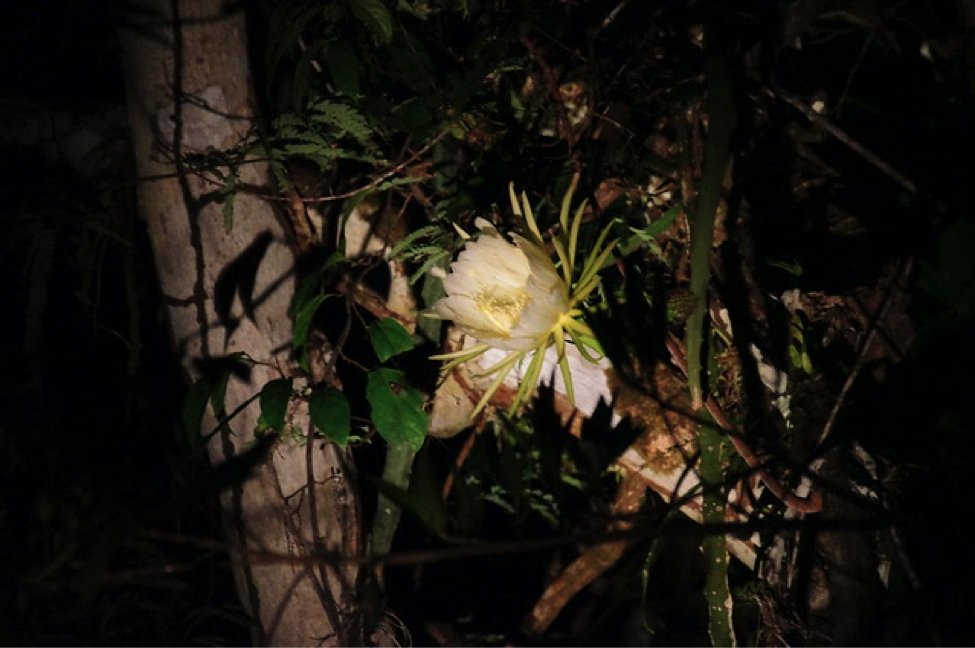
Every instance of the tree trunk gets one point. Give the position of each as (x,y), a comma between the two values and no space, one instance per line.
(189,90)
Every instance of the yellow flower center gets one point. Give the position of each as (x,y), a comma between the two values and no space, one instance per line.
(503,310)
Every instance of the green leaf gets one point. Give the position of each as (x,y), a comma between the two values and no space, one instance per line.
(194,406)
(310,284)
(274,403)
(432,291)
(389,338)
(397,407)
(330,412)
(417,119)
(343,67)
(374,15)
(409,240)
(950,277)
(210,387)
(344,119)
(303,319)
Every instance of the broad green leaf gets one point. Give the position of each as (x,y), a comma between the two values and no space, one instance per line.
(397,408)
(330,412)
(274,403)
(343,67)
(389,338)
(374,15)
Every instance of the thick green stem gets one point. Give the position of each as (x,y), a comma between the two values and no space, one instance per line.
(714,459)
(397,471)
(721,123)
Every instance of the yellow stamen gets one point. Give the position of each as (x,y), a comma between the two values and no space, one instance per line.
(503,310)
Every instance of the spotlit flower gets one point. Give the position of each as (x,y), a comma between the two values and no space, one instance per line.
(513,297)
(508,296)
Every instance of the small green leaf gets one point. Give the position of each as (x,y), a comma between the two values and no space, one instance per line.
(210,387)
(397,408)
(389,338)
(432,291)
(330,412)
(218,388)
(274,403)
(194,406)
(374,15)
(410,239)
(310,284)
(303,319)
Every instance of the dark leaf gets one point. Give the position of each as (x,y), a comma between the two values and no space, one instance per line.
(397,408)
(343,67)
(330,412)
(374,15)
(389,338)
(274,403)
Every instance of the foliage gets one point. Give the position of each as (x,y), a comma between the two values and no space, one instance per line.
(679,120)
(433,109)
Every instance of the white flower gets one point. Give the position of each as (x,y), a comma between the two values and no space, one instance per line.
(512,297)
(505,295)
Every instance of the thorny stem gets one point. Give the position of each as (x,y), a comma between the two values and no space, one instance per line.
(812,504)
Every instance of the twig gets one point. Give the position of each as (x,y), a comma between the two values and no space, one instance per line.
(254,191)
(812,504)
(853,72)
(903,271)
(477,549)
(379,179)
(845,138)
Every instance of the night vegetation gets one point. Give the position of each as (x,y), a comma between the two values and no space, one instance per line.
(777,199)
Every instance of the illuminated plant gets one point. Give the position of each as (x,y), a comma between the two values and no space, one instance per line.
(514,297)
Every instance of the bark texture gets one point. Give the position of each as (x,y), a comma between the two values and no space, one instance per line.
(189,91)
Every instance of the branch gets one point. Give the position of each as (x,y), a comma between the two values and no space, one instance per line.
(845,138)
(812,504)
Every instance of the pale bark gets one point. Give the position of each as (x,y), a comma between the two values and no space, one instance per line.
(192,84)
